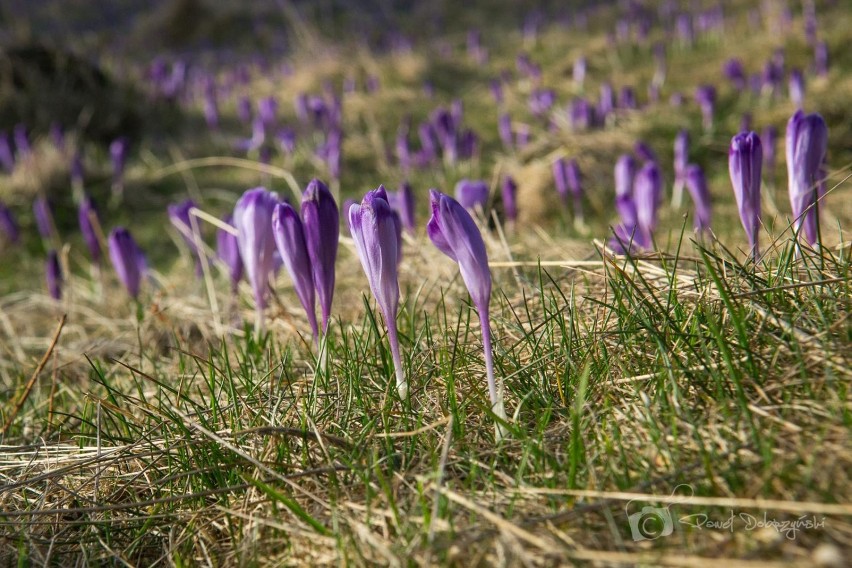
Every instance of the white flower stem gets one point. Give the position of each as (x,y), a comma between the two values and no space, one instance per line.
(495,390)
(393,339)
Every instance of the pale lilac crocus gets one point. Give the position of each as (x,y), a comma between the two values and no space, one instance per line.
(625,171)
(705,96)
(696,184)
(807,143)
(321,220)
(472,194)
(647,193)
(681,159)
(375,230)
(745,162)
(253,221)
(228,251)
(289,235)
(797,88)
(453,231)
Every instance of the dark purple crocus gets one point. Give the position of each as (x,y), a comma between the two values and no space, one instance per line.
(582,114)
(541,101)
(289,235)
(127,259)
(705,96)
(807,143)
(8,225)
(375,229)
(770,140)
(681,159)
(53,275)
(696,184)
(627,98)
(253,221)
(43,213)
(228,251)
(453,231)
(645,152)
(647,193)
(267,111)
(735,73)
(180,217)
(472,194)
(625,171)
(322,231)
(575,186)
(509,192)
(87,216)
(745,161)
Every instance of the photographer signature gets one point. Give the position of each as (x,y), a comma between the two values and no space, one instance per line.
(789,528)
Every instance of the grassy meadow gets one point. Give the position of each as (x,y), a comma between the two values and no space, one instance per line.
(682,406)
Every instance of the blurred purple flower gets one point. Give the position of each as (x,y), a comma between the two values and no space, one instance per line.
(625,171)
(43,213)
(22,142)
(705,96)
(289,234)
(472,194)
(797,88)
(127,259)
(807,143)
(735,73)
(696,184)
(770,141)
(253,221)
(87,216)
(228,251)
(647,194)
(53,275)
(508,192)
(321,220)
(8,225)
(504,128)
(7,155)
(745,161)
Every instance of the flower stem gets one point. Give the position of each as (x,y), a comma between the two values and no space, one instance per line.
(495,391)
(393,339)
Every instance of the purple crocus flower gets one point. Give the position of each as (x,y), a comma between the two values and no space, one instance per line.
(575,186)
(267,111)
(322,231)
(127,259)
(180,217)
(211,108)
(472,194)
(508,192)
(821,59)
(627,98)
(807,142)
(504,128)
(797,88)
(579,72)
(606,102)
(496,87)
(625,171)
(289,235)
(375,229)
(770,139)
(681,158)
(582,114)
(560,179)
(8,225)
(735,73)
(645,152)
(405,207)
(244,110)
(745,161)
(705,96)
(696,184)
(53,275)
(43,213)
(228,251)
(87,215)
(253,221)
(522,136)
(647,193)
(453,231)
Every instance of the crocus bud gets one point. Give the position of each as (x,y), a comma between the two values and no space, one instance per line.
(472,194)
(681,158)
(53,275)
(455,233)
(127,259)
(560,179)
(228,251)
(180,217)
(322,232)
(606,102)
(770,139)
(504,129)
(375,229)
(508,192)
(696,184)
(807,142)
(705,96)
(821,59)
(647,192)
(87,215)
(404,205)
(42,211)
(575,185)
(625,171)
(645,152)
(797,88)
(267,110)
(8,225)
(579,72)
(745,161)
(244,111)
(290,240)
(253,221)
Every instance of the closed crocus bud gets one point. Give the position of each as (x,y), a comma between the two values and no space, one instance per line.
(8,225)
(579,72)
(244,111)
(508,192)
(180,217)
(606,103)
(43,213)
(322,232)
(560,179)
(375,229)
(253,221)
(821,59)
(267,111)
(290,240)
(705,96)
(770,140)
(472,194)
(645,152)
(405,207)
(455,233)
(228,251)
(735,73)
(647,193)
(53,275)
(575,186)
(127,259)
(745,161)
(696,184)
(807,143)
(797,88)
(504,129)
(681,158)
(625,171)
(87,216)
